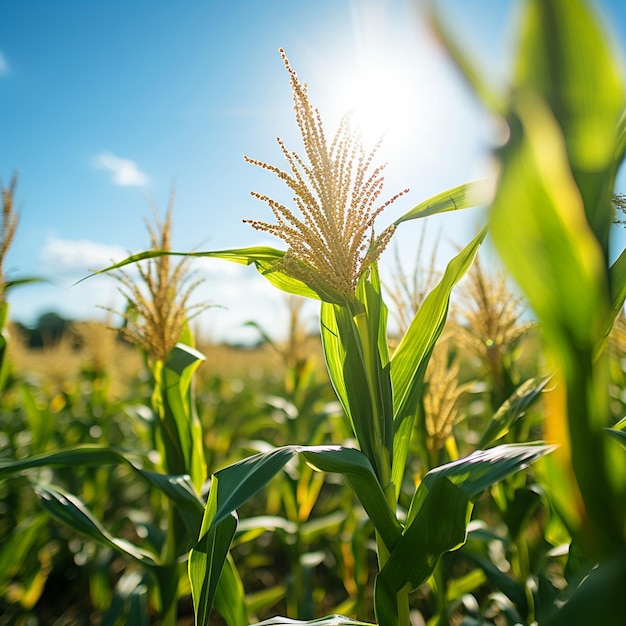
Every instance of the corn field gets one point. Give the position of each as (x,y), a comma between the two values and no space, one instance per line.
(466,469)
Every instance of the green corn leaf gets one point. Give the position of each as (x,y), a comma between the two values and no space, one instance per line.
(411,357)
(371,289)
(480,470)
(489,96)
(187,505)
(69,510)
(618,435)
(178,409)
(344,356)
(264,258)
(183,360)
(359,474)
(378,362)
(620,141)
(315,290)
(557,177)
(436,523)
(234,485)
(335,356)
(243,256)
(563,45)
(566,60)
(230,600)
(440,526)
(18,282)
(239,482)
(354,337)
(464,196)
(617,274)
(571,299)
(206,559)
(438,517)
(332,620)
(177,488)
(230,488)
(512,410)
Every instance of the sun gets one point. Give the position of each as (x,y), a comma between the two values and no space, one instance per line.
(380,98)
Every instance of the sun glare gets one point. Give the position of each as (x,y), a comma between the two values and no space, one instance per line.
(380,98)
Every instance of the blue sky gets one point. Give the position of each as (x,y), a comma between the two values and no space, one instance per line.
(104,103)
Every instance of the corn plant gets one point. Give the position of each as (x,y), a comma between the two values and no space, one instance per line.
(565,114)
(332,256)
(303,410)
(8,227)
(157,320)
(27,550)
(460,396)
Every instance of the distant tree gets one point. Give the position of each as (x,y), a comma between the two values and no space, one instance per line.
(619,200)
(48,330)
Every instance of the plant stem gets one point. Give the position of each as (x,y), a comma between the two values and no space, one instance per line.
(440,592)
(404,618)
(402,597)
(168,577)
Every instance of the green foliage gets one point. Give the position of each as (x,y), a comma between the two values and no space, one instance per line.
(435,524)
(565,115)
(181,432)
(560,166)
(347,506)
(412,354)
(332,620)
(464,196)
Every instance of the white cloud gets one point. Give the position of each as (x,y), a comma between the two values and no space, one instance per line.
(88,300)
(66,256)
(124,171)
(217,270)
(238,294)
(4,64)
